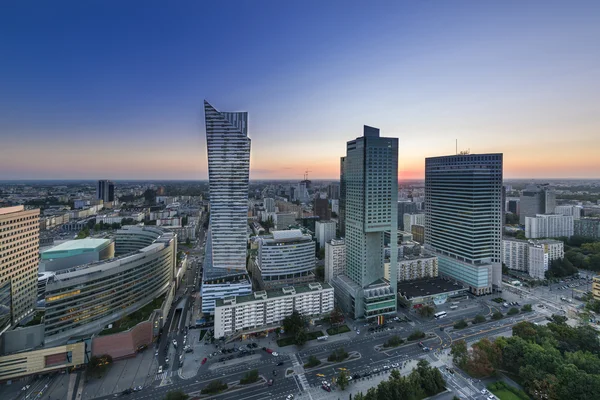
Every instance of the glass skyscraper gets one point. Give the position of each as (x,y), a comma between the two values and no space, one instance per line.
(463,217)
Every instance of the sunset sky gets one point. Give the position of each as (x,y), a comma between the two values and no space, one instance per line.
(112,89)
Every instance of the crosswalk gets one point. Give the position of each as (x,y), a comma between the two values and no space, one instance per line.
(299,370)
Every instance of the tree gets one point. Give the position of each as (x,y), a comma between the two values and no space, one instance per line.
(301,337)
(85,232)
(426,311)
(526,308)
(312,362)
(478,319)
(250,377)
(184,220)
(268,224)
(336,317)
(294,322)
(214,387)
(176,395)
(98,365)
(513,311)
(460,324)
(497,315)
(416,335)
(394,341)
(511,219)
(320,272)
(460,353)
(520,235)
(338,355)
(342,380)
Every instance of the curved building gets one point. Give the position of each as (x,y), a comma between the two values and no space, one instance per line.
(287,258)
(82,300)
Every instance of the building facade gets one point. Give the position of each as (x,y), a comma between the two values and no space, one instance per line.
(411,267)
(105,191)
(549,226)
(267,309)
(19,253)
(286,258)
(587,227)
(370,192)
(463,218)
(333,191)
(574,211)
(411,219)
(515,254)
(536,199)
(321,209)
(596,288)
(324,232)
(405,207)
(541,254)
(284,220)
(269,204)
(76,252)
(418,232)
(335,259)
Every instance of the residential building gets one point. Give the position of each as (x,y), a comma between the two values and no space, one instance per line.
(515,254)
(549,226)
(411,219)
(574,211)
(265,310)
(19,253)
(405,207)
(224,267)
(587,227)
(463,218)
(596,288)
(105,191)
(536,199)
(335,207)
(370,194)
(541,254)
(418,232)
(324,232)
(411,267)
(269,204)
(333,191)
(285,258)
(321,209)
(283,220)
(335,259)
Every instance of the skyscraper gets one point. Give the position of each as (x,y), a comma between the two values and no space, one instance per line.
(536,199)
(19,254)
(105,191)
(342,204)
(321,209)
(463,217)
(228,173)
(228,147)
(370,191)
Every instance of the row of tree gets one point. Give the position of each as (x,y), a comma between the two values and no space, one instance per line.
(423,381)
(553,362)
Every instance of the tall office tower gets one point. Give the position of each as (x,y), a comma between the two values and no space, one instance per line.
(269,204)
(19,253)
(333,191)
(342,203)
(536,199)
(228,149)
(463,218)
(405,207)
(105,191)
(321,209)
(370,186)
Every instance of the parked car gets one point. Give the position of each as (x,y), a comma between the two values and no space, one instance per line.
(203,361)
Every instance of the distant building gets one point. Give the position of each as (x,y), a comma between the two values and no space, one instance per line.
(333,191)
(412,267)
(587,227)
(19,253)
(548,226)
(265,310)
(513,206)
(324,232)
(321,209)
(418,232)
(335,206)
(335,259)
(413,219)
(286,258)
(531,256)
(536,199)
(269,204)
(574,211)
(284,220)
(105,191)
(405,207)
(463,218)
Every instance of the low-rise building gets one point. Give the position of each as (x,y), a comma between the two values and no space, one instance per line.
(335,258)
(267,309)
(424,292)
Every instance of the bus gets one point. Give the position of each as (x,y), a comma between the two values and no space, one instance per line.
(440,314)
(453,307)
(323,338)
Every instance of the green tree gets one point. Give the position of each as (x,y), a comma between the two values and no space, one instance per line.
(176,395)
(497,315)
(250,377)
(460,353)
(478,319)
(394,341)
(294,322)
(321,254)
(342,380)
(312,362)
(416,335)
(520,235)
(85,232)
(301,337)
(426,311)
(460,324)
(513,311)
(526,308)
(336,317)
(213,387)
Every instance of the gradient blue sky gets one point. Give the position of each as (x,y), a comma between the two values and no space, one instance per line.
(107,89)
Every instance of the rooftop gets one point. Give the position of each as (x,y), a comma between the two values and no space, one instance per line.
(270,294)
(74,247)
(427,287)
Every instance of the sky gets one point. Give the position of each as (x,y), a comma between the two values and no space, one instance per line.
(115,90)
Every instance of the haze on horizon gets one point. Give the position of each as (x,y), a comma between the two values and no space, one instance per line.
(115,90)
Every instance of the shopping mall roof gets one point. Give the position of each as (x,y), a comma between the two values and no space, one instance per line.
(75,247)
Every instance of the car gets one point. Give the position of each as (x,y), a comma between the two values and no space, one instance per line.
(254,345)
(275,353)
(421,344)
(326,388)
(376,370)
(289,397)
(483,391)
(241,348)
(395,365)
(386,367)
(280,363)
(156,354)
(356,376)
(25,387)
(358,332)
(368,373)
(491,397)
(270,382)
(203,361)
(174,342)
(160,369)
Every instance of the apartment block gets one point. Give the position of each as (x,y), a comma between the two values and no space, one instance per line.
(549,226)
(335,259)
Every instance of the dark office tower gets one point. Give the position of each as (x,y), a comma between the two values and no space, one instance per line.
(105,191)
(536,199)
(463,218)
(513,206)
(321,209)
(342,214)
(333,191)
(405,207)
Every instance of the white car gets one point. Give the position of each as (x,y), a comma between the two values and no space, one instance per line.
(275,353)
(289,397)
(358,332)
(174,342)
(160,369)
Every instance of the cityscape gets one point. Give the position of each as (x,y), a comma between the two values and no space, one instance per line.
(242,242)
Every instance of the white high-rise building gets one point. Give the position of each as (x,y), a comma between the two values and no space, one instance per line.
(574,211)
(515,254)
(269,204)
(531,256)
(228,146)
(335,259)
(548,226)
(324,232)
(413,219)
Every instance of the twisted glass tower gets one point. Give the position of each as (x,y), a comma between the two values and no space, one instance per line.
(228,173)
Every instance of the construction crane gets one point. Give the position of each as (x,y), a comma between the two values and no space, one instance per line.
(306,174)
